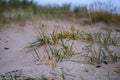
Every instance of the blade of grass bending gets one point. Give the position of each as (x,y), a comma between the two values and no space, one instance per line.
(36,53)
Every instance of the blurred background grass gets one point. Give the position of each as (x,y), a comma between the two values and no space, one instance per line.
(22,10)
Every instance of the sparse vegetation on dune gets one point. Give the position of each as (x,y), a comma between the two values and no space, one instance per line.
(95,54)
(60,45)
(105,38)
(54,37)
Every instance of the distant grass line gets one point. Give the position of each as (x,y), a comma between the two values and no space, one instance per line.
(27,9)
(106,17)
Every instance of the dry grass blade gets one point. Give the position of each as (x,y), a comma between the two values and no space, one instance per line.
(117,69)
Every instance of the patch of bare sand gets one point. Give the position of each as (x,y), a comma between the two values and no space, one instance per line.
(15,56)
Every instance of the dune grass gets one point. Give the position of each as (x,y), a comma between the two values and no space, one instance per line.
(104,38)
(95,54)
(54,37)
(104,16)
(65,51)
(100,53)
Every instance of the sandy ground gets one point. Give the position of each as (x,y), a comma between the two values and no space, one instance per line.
(15,56)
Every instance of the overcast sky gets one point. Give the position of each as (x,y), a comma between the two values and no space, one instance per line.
(75,2)
(115,3)
(63,1)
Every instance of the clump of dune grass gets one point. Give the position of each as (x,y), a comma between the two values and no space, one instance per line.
(54,54)
(54,37)
(101,54)
(98,51)
(41,39)
(65,51)
(69,34)
(105,38)
(86,37)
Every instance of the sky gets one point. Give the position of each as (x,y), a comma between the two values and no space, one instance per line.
(115,3)
(62,1)
(44,2)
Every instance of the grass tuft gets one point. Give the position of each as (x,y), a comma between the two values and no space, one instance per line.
(66,51)
(98,55)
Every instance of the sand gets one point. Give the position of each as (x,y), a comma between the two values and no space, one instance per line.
(14,54)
